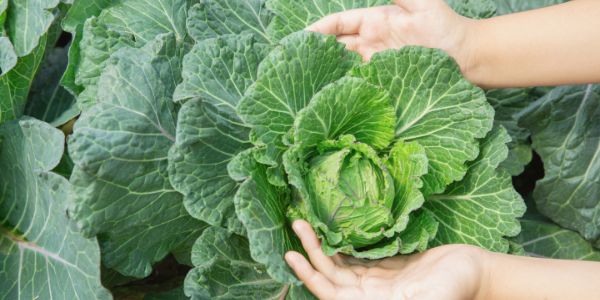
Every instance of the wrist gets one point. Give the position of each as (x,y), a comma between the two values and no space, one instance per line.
(470,62)
(485,259)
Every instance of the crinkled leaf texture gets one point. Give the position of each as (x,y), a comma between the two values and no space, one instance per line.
(476,9)
(117,25)
(42,254)
(243,109)
(435,106)
(507,104)
(504,7)
(224,269)
(119,147)
(292,16)
(209,133)
(483,207)
(215,18)
(565,130)
(544,239)
(416,97)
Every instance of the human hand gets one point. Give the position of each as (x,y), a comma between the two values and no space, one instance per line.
(446,272)
(430,24)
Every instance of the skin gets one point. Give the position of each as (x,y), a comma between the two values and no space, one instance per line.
(549,46)
(450,272)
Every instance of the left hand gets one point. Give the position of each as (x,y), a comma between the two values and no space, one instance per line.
(450,272)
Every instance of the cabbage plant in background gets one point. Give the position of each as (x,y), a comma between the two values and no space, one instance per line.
(203,128)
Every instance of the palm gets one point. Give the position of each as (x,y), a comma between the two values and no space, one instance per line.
(445,272)
(370,30)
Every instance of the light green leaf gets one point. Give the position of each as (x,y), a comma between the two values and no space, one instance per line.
(119,147)
(27,22)
(15,85)
(8,57)
(295,15)
(420,231)
(565,130)
(435,106)
(475,9)
(407,162)
(48,101)
(482,209)
(287,79)
(224,269)
(262,207)
(214,18)
(347,106)
(42,255)
(545,239)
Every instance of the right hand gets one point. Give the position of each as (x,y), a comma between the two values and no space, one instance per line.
(430,23)
(452,272)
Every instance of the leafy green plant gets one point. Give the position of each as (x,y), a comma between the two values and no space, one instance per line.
(204,127)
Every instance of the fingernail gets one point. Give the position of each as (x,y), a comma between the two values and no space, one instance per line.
(289,258)
(296,226)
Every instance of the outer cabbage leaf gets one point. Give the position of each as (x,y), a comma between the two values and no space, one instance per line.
(214,18)
(124,23)
(209,132)
(206,142)
(539,238)
(73,22)
(482,209)
(512,6)
(476,9)
(8,57)
(224,269)
(15,85)
(81,11)
(435,106)
(347,106)
(261,207)
(95,45)
(507,103)
(219,70)
(287,79)
(293,15)
(48,100)
(42,255)
(119,147)
(27,21)
(565,130)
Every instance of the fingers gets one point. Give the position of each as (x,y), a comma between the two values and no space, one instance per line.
(351,41)
(322,262)
(311,244)
(347,22)
(316,282)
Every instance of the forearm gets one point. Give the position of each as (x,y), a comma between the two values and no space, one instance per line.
(550,46)
(527,278)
